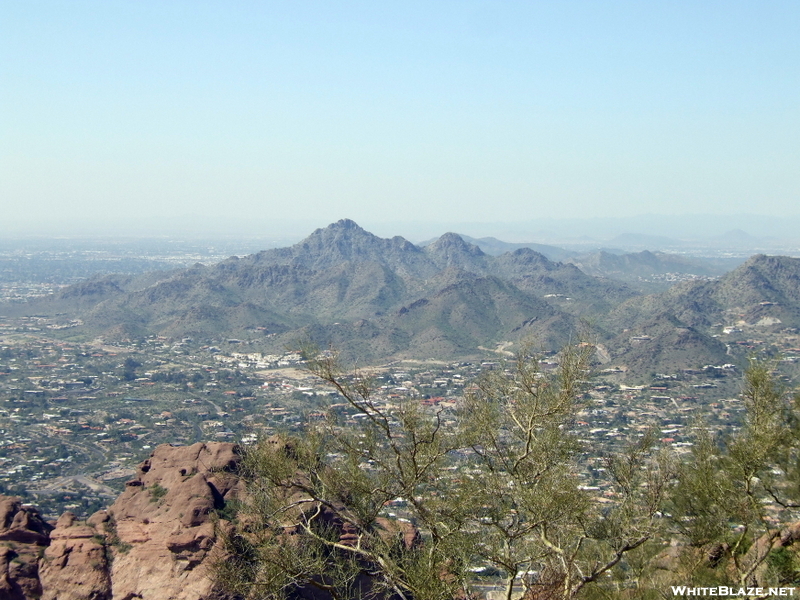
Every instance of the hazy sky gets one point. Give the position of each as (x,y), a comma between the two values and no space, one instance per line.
(448,111)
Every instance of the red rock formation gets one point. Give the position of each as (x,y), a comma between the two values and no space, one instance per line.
(163,525)
(75,565)
(153,543)
(23,537)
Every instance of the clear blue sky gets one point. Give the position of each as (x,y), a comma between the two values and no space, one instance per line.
(448,111)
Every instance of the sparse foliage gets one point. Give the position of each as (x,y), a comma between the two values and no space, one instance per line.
(496,485)
(736,493)
(537,522)
(157,492)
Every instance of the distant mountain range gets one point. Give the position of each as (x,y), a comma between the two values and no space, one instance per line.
(495,247)
(651,271)
(643,270)
(378,298)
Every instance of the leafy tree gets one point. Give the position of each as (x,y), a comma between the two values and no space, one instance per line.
(737,492)
(534,518)
(495,486)
(314,515)
(129,367)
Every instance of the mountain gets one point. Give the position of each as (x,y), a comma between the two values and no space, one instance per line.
(737,239)
(379,298)
(494,247)
(651,271)
(666,344)
(473,310)
(342,242)
(451,250)
(764,291)
(342,285)
(690,322)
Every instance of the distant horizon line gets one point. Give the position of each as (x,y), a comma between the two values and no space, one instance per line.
(688,233)
(685,225)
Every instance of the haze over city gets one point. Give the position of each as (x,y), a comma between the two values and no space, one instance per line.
(149,117)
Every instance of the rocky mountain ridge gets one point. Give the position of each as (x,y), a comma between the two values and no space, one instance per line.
(345,286)
(379,299)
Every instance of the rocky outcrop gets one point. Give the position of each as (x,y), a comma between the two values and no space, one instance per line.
(158,541)
(756,556)
(155,542)
(164,533)
(76,564)
(23,537)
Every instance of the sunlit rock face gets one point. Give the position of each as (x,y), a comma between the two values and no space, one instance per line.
(155,542)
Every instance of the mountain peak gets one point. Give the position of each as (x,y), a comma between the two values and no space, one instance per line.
(452,242)
(345,241)
(342,226)
(450,250)
(345,224)
(343,229)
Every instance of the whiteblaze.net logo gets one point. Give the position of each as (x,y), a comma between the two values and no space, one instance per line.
(732,592)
